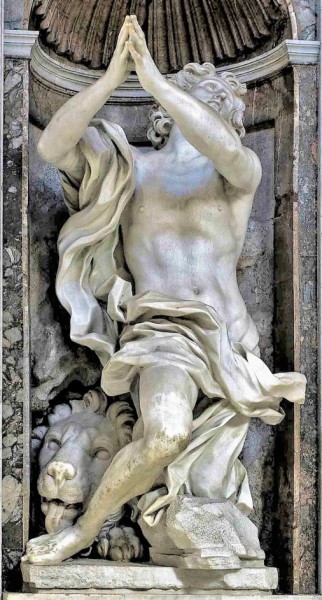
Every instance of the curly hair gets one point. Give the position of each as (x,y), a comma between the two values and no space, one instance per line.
(190,75)
(94,401)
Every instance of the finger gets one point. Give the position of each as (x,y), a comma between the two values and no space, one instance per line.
(137,43)
(126,57)
(135,55)
(126,23)
(123,35)
(137,27)
(125,54)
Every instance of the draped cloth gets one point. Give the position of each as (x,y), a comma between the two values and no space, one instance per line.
(129,332)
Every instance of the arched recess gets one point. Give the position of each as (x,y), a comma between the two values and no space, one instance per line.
(177,32)
(293,18)
(26,14)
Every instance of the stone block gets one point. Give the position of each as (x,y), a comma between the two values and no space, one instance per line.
(87,574)
(198,533)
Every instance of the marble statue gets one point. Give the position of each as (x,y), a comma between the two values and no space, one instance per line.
(148,275)
(79,444)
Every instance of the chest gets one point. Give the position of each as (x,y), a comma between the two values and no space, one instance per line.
(177,181)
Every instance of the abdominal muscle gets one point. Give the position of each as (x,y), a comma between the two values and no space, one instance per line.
(188,267)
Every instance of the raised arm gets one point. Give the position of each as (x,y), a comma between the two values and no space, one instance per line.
(201,125)
(58,143)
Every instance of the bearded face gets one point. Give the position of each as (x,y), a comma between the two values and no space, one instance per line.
(216,93)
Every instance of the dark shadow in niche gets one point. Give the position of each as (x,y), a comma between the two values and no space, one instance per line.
(56,360)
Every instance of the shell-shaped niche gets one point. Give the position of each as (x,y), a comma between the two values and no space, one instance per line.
(177,31)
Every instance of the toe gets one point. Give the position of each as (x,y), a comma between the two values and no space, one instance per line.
(116,554)
(103,547)
(127,551)
(137,547)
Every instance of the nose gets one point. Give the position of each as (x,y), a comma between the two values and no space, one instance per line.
(61,471)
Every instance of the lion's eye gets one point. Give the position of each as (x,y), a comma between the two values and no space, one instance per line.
(101,453)
(54,444)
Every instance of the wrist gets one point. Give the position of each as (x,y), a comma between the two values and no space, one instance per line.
(157,85)
(110,82)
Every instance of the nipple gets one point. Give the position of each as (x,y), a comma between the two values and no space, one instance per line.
(196,290)
(219,207)
(141,209)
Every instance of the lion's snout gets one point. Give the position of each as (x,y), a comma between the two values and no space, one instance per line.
(61,471)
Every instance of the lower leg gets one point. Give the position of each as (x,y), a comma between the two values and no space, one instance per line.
(167,397)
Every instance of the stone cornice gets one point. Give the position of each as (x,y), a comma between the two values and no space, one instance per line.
(19,42)
(75,78)
(289,52)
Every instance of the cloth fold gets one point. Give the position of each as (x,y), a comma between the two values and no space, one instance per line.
(95,288)
(193,337)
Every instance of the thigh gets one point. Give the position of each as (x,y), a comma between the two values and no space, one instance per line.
(167,398)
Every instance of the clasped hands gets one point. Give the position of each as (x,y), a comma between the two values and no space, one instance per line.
(131,53)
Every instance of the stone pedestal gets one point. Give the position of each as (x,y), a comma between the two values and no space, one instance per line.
(111,577)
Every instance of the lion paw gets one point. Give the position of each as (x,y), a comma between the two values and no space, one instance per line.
(120,544)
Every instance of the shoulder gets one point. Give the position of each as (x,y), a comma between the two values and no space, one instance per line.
(246,170)
(255,164)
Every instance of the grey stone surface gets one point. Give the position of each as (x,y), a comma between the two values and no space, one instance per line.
(13,393)
(306,12)
(13,14)
(92,574)
(151,595)
(307,199)
(204,534)
(256,280)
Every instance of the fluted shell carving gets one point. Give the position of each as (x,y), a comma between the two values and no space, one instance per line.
(178,31)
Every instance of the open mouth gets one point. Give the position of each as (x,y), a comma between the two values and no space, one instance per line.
(58,502)
(58,513)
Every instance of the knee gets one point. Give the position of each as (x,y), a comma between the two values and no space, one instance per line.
(165,444)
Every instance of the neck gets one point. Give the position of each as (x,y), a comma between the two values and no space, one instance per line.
(178,144)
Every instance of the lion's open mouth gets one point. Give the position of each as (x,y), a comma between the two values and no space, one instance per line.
(59,513)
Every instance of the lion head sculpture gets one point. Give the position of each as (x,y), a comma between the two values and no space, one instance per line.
(76,448)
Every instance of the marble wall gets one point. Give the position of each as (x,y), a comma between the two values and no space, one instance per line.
(306,13)
(284,484)
(13,14)
(15,92)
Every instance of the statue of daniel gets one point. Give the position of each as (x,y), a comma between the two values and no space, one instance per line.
(148,274)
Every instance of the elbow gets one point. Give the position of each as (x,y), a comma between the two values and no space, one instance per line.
(42,149)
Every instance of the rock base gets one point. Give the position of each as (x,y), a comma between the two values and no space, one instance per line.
(199,533)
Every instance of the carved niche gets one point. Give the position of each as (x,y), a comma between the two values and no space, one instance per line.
(178,31)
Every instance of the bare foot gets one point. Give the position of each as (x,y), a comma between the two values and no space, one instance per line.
(53,548)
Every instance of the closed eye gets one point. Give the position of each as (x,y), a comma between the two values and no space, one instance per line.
(101,453)
(53,444)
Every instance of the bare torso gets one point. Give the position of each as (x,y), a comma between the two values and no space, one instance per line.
(184,230)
